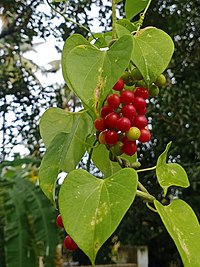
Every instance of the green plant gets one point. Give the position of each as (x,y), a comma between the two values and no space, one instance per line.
(92,208)
(28,229)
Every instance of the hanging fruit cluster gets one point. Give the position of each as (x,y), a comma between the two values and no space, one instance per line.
(123,122)
(68,241)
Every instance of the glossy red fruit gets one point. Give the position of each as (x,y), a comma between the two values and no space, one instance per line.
(142,111)
(113,100)
(139,103)
(145,135)
(142,92)
(123,124)
(129,148)
(69,243)
(59,221)
(111,137)
(127,97)
(100,124)
(111,120)
(119,85)
(106,110)
(129,111)
(140,121)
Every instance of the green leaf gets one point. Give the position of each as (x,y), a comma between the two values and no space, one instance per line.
(56,120)
(92,208)
(134,7)
(152,52)
(90,72)
(64,153)
(169,174)
(127,24)
(183,226)
(100,157)
(121,30)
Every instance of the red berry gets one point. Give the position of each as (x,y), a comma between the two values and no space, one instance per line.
(129,111)
(139,103)
(106,110)
(129,148)
(113,100)
(145,135)
(111,119)
(142,92)
(111,137)
(69,243)
(141,111)
(119,85)
(127,96)
(140,121)
(100,124)
(59,221)
(123,124)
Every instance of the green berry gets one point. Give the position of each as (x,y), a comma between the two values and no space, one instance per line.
(133,134)
(127,78)
(160,81)
(117,148)
(136,74)
(154,90)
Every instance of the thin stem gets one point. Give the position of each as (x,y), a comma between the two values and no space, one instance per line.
(114,19)
(146,196)
(90,156)
(142,188)
(70,20)
(142,16)
(150,207)
(147,169)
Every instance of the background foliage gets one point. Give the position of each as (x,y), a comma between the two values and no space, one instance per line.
(173,115)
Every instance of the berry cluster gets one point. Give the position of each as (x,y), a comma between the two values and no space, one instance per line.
(68,241)
(122,121)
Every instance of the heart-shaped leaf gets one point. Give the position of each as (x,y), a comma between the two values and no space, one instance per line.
(183,226)
(92,208)
(91,72)
(134,7)
(64,152)
(57,120)
(152,52)
(169,174)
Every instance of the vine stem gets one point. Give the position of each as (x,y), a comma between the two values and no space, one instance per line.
(147,169)
(114,19)
(90,156)
(146,196)
(142,15)
(70,20)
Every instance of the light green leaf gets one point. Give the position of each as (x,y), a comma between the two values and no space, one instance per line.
(90,72)
(121,30)
(183,226)
(152,52)
(56,120)
(169,174)
(134,7)
(100,157)
(64,153)
(92,208)
(127,24)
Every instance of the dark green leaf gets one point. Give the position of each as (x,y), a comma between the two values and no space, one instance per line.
(183,226)
(92,208)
